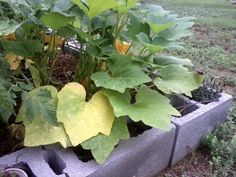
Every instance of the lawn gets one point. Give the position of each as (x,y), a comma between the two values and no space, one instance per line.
(212,48)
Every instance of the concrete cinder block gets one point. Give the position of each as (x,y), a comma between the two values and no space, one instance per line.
(191,128)
(74,166)
(141,156)
(34,157)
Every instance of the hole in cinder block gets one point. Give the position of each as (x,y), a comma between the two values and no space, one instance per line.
(55,162)
(83,154)
(23,166)
(183,106)
(137,128)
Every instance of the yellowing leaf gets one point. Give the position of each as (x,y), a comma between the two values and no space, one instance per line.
(13,60)
(38,113)
(48,38)
(83,120)
(121,47)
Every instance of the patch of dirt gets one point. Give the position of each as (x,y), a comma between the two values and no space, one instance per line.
(222,73)
(64,67)
(194,165)
(200,29)
(11,138)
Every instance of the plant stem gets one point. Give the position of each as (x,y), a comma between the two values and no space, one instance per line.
(131,45)
(140,53)
(26,78)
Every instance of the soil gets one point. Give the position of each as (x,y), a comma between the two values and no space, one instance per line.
(194,165)
(64,68)
(11,138)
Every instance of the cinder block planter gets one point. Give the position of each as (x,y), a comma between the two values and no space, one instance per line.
(201,120)
(141,156)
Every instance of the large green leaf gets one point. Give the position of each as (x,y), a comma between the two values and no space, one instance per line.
(92,8)
(101,145)
(125,5)
(157,28)
(160,23)
(125,74)
(40,103)
(178,31)
(38,113)
(150,107)
(83,120)
(56,20)
(6,107)
(5,71)
(157,44)
(136,26)
(25,48)
(168,60)
(177,79)
(7,27)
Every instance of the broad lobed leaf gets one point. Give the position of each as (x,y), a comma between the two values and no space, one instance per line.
(38,112)
(102,145)
(83,120)
(150,107)
(175,78)
(124,74)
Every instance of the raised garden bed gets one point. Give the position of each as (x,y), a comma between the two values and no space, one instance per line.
(198,121)
(142,156)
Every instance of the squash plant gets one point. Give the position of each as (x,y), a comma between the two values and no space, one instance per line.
(119,72)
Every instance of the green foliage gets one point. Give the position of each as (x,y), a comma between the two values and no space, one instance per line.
(101,145)
(40,103)
(56,20)
(7,27)
(26,48)
(124,74)
(119,42)
(5,71)
(150,107)
(38,113)
(92,9)
(180,81)
(6,107)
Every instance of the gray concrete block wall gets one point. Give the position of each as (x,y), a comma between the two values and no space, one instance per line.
(141,156)
(191,128)
(34,157)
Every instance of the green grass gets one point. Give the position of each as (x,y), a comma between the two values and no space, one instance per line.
(212,48)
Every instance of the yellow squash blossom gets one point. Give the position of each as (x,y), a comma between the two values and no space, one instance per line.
(121,47)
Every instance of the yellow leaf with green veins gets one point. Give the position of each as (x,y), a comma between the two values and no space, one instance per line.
(83,120)
(38,113)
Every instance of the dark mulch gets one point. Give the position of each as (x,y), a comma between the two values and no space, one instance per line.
(194,165)
(11,138)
